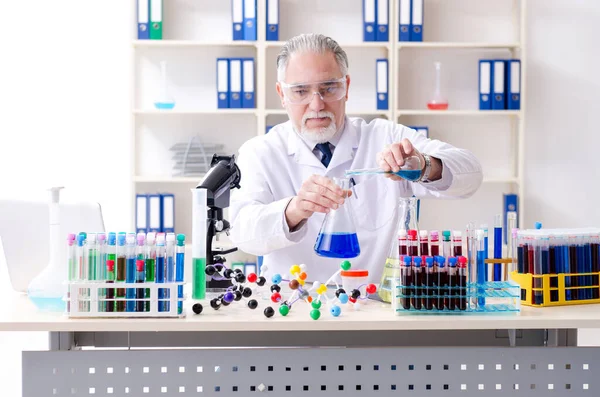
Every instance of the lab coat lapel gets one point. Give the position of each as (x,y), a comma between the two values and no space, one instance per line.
(346,147)
(302,154)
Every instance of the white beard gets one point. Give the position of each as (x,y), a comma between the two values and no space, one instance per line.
(319,134)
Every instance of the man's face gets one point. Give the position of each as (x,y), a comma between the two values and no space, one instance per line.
(307,73)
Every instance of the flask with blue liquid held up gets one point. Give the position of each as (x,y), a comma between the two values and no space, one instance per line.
(410,170)
(337,237)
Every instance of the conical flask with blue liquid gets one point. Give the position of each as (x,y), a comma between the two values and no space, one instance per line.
(337,237)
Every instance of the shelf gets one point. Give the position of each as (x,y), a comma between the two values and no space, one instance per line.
(425,112)
(168,179)
(349,113)
(181,112)
(441,44)
(191,43)
(501,180)
(373,44)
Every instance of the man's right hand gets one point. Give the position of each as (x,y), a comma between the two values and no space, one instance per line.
(317,194)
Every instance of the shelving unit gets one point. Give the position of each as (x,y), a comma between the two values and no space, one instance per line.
(191,57)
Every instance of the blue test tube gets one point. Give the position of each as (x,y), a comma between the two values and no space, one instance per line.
(130,272)
(484,227)
(498,247)
(481,270)
(179,269)
(588,266)
(160,269)
(565,262)
(170,259)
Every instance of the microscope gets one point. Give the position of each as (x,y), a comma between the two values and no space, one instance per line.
(222,176)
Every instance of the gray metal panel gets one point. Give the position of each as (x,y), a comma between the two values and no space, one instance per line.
(314,371)
(447,338)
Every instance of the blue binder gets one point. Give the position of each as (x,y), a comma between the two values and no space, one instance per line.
(141,213)
(272,20)
(383,12)
(382,85)
(404,19)
(369,20)
(235,83)
(416,20)
(250,20)
(268,128)
(143,18)
(498,82)
(248,93)
(510,203)
(167,211)
(485,81)
(237,19)
(154,213)
(222,83)
(421,129)
(513,84)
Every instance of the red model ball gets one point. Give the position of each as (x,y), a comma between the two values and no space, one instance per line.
(371,288)
(276,297)
(252,277)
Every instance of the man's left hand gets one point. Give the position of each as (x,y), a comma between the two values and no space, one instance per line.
(392,157)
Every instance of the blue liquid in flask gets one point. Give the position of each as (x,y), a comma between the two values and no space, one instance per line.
(337,245)
(411,175)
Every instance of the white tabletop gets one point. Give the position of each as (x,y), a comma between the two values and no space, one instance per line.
(17,313)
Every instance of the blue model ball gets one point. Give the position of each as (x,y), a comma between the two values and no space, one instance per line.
(229,297)
(276,279)
(343,298)
(335,311)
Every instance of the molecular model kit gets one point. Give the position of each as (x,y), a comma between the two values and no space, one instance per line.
(252,288)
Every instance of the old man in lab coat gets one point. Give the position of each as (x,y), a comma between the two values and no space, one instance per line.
(287,186)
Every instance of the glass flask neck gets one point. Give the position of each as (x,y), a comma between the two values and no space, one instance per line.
(408,214)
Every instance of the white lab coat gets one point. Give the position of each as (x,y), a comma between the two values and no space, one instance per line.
(274,166)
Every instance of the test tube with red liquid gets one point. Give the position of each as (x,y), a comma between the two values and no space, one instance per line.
(406,282)
(462,283)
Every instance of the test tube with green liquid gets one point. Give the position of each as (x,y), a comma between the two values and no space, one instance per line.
(91,257)
(150,266)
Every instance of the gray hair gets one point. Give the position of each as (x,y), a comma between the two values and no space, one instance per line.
(316,43)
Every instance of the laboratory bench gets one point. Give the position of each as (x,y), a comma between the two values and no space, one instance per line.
(236,351)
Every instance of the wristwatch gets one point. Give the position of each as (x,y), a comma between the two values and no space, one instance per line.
(427,170)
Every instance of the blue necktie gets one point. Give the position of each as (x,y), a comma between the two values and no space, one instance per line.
(324,148)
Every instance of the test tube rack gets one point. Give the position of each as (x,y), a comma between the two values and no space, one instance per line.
(85,300)
(493,297)
(552,289)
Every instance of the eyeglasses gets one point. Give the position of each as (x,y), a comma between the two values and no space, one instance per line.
(303,93)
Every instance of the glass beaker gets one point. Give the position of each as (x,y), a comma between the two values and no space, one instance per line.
(411,170)
(438,102)
(164,100)
(404,243)
(337,237)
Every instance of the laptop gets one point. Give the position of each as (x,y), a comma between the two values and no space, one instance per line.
(25,235)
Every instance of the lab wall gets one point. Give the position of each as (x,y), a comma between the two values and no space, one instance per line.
(65,118)
(562,140)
